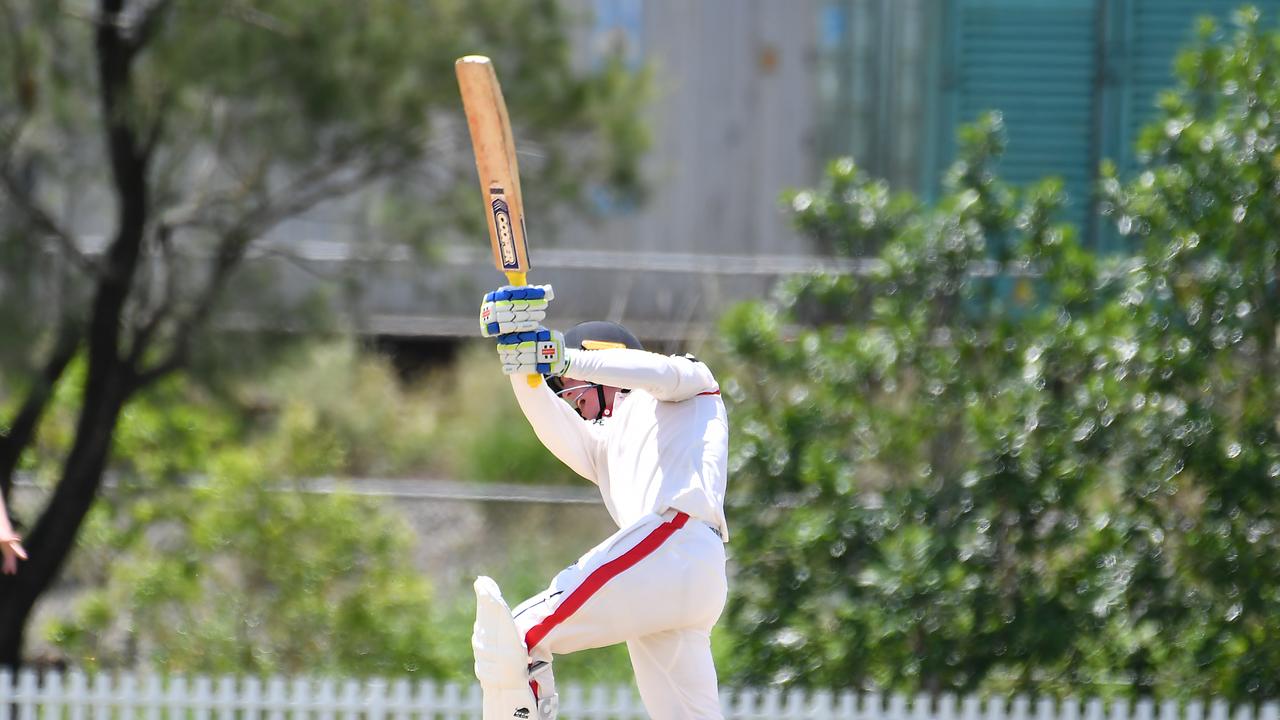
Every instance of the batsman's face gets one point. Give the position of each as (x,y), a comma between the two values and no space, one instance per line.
(586,401)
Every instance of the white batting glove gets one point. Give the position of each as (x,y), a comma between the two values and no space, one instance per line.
(511,309)
(538,352)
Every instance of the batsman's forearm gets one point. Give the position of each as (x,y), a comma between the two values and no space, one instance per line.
(667,378)
(577,443)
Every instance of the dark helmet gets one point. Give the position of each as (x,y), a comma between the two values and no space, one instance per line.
(598,334)
(595,335)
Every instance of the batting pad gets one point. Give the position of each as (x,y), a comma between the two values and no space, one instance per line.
(502,663)
(501,658)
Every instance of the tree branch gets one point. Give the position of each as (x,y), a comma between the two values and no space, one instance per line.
(147,25)
(168,298)
(230,252)
(22,78)
(22,429)
(40,218)
(306,191)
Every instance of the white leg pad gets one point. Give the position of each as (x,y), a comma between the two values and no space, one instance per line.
(502,663)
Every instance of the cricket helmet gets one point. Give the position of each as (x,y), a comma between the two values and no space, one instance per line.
(595,335)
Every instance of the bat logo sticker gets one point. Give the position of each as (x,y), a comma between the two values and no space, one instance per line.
(506,234)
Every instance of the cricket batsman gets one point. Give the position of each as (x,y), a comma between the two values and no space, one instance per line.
(652,432)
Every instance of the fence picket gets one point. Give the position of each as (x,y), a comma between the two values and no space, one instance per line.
(1046,709)
(872,706)
(1218,710)
(822,704)
(1145,709)
(301,699)
(473,703)
(426,697)
(745,704)
(178,702)
(253,698)
(26,695)
(794,705)
(78,696)
(922,707)
(400,699)
(1093,709)
(627,705)
(9,690)
(153,698)
(995,709)
(847,706)
(376,699)
(1119,709)
(452,704)
(897,708)
(349,703)
(202,698)
(1021,708)
(53,696)
(100,698)
(948,708)
(274,701)
(225,699)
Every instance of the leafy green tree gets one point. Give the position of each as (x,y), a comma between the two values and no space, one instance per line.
(923,509)
(182,133)
(1204,501)
(237,569)
(996,461)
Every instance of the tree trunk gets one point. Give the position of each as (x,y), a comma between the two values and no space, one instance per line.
(111,381)
(54,535)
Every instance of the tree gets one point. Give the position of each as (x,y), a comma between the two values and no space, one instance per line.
(996,461)
(244,572)
(1204,556)
(200,127)
(910,442)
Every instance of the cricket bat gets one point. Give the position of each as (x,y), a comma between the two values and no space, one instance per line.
(495,152)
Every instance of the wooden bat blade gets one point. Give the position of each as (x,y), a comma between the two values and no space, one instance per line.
(496,164)
(495,152)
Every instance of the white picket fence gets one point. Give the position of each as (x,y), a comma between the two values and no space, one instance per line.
(125,696)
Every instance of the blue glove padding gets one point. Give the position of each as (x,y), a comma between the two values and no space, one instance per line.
(511,309)
(539,351)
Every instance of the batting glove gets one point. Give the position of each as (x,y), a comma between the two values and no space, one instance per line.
(512,309)
(539,351)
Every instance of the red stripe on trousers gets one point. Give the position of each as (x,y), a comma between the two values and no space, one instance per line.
(602,575)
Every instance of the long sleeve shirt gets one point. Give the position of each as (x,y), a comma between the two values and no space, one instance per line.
(665,446)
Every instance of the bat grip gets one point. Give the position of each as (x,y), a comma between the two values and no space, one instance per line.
(515,277)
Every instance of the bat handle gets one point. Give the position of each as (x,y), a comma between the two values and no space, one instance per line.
(516,277)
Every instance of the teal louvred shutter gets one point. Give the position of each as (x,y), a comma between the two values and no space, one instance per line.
(1146,37)
(1036,62)
(1157,30)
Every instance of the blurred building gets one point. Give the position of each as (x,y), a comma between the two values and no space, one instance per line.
(753,97)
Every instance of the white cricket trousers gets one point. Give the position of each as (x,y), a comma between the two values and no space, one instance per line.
(659,586)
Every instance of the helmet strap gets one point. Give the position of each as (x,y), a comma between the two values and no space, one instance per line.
(604,412)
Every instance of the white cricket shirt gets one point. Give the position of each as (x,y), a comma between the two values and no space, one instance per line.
(665,447)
